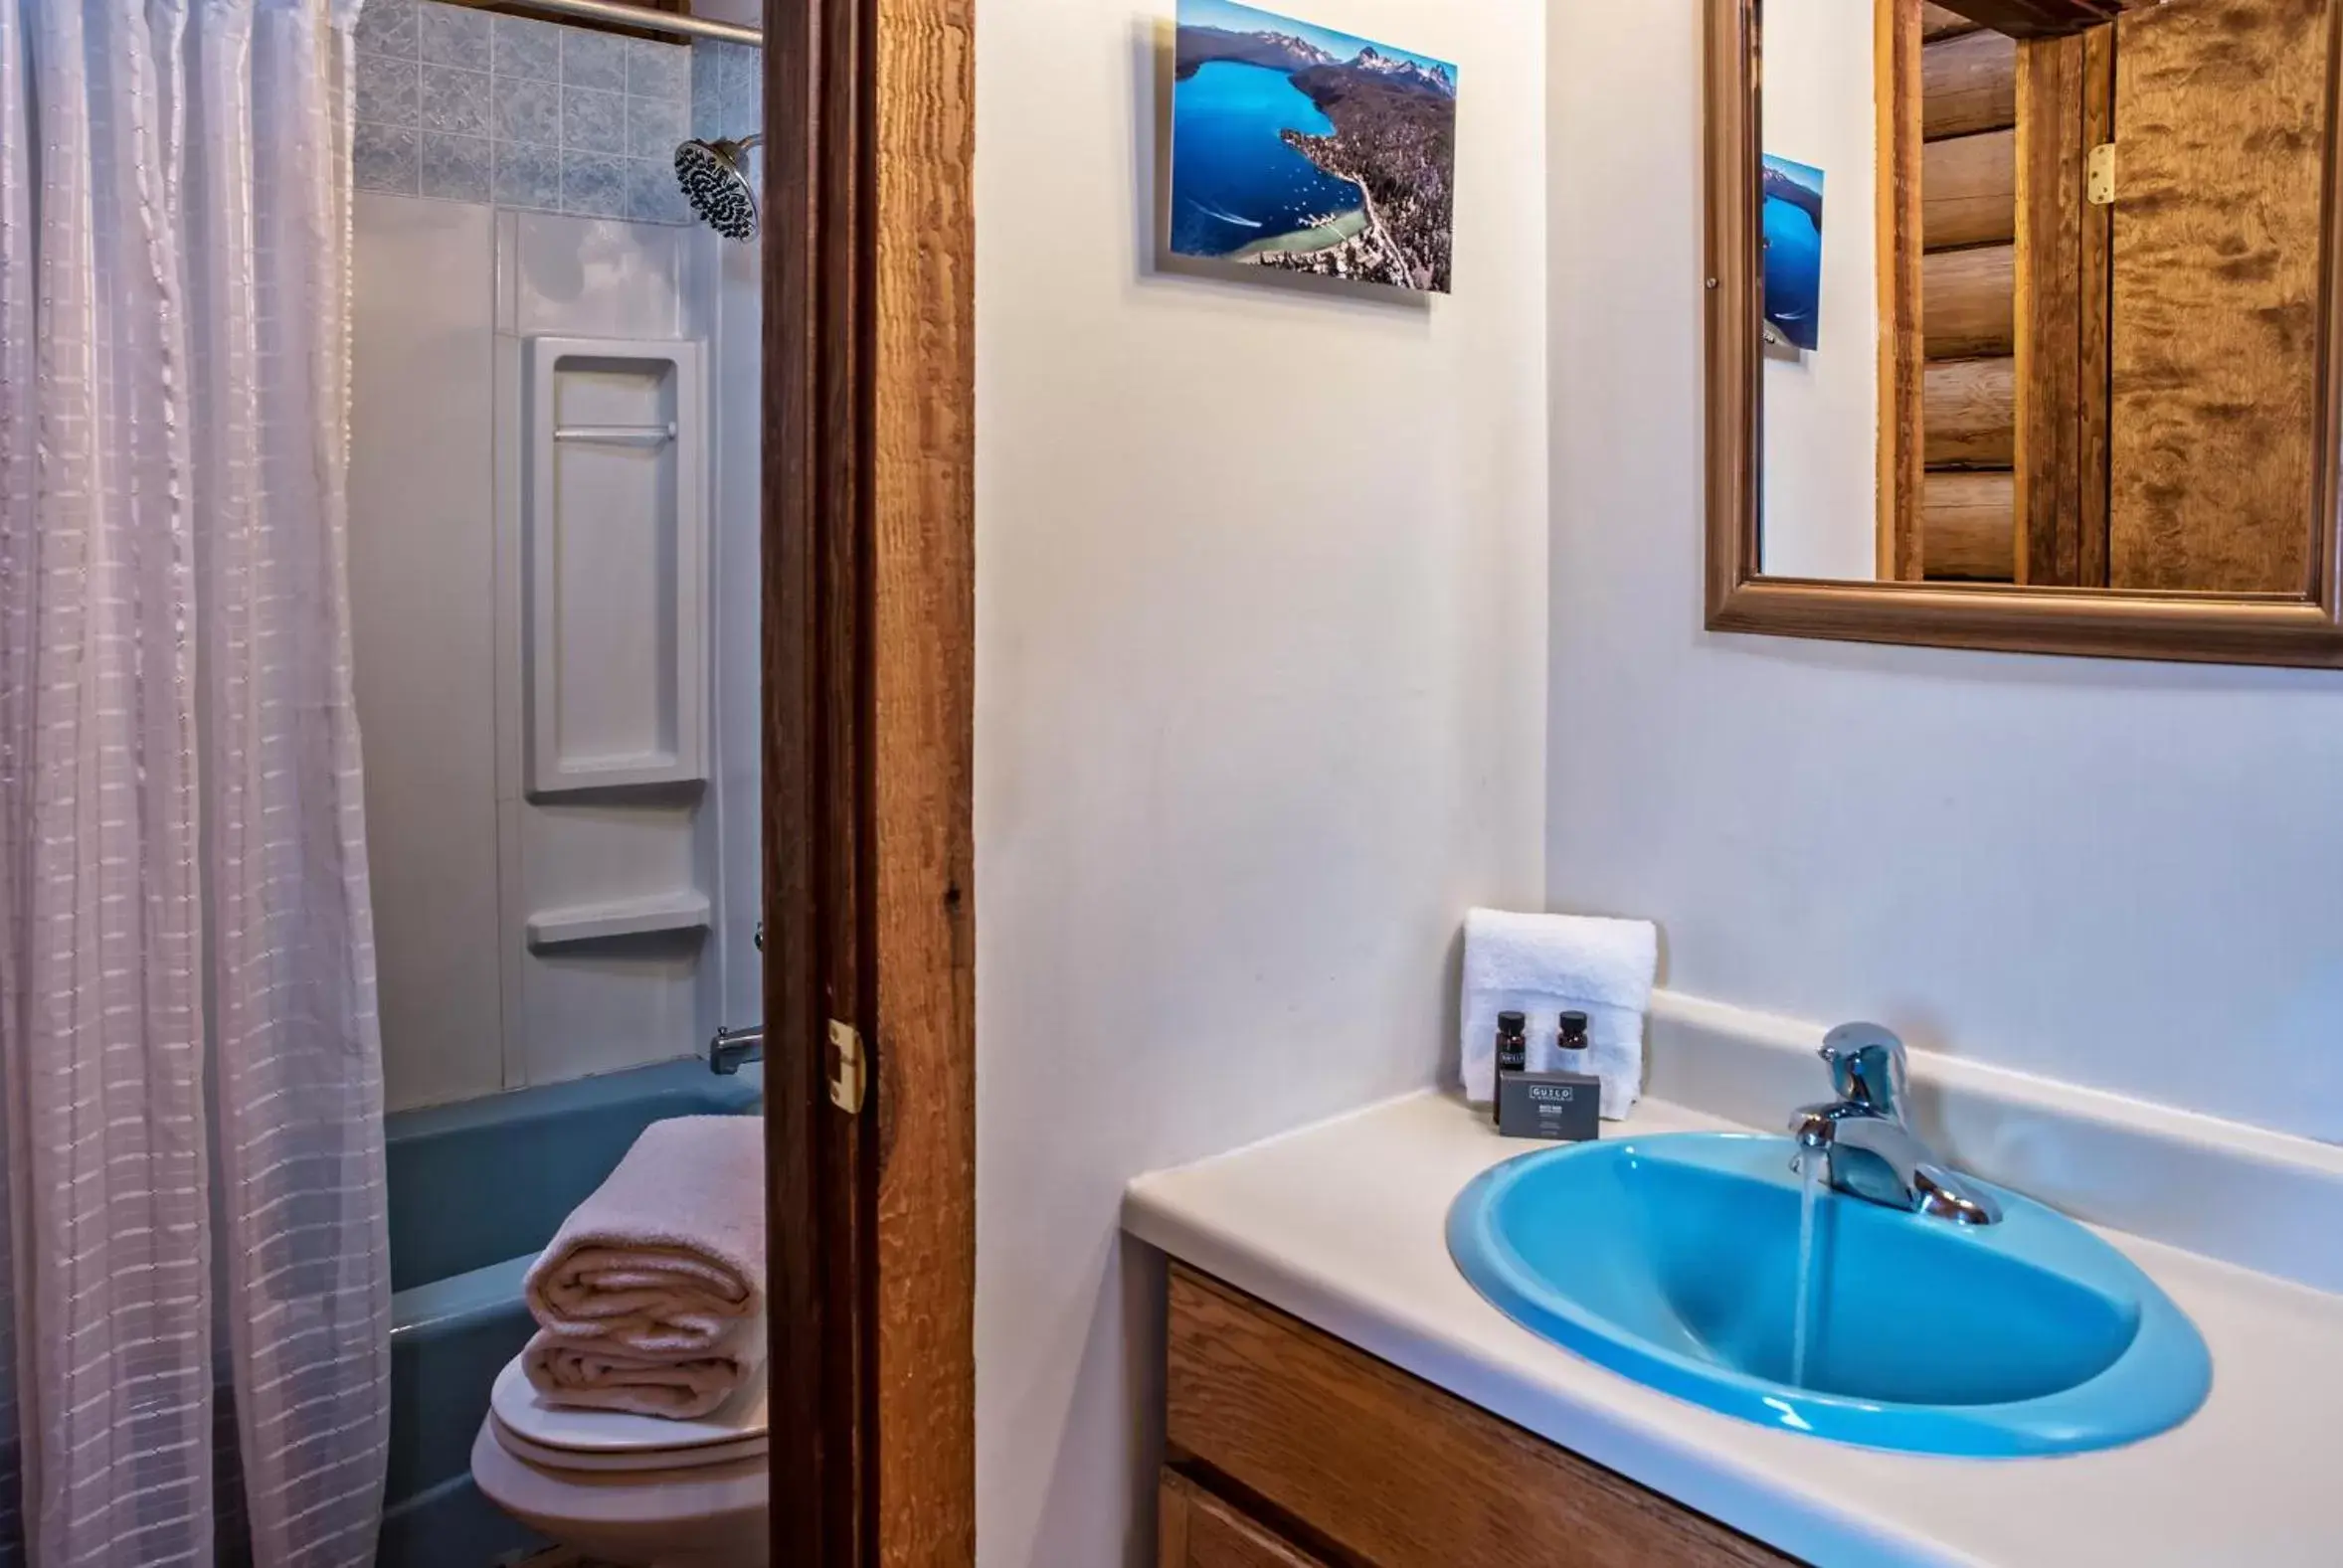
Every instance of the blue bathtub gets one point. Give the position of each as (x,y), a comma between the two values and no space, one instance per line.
(476,1191)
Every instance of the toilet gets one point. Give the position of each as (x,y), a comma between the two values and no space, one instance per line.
(636,1491)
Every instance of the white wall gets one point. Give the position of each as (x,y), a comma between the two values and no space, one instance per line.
(1260,696)
(1822,407)
(2121,874)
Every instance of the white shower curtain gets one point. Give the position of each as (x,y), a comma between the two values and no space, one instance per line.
(190,1082)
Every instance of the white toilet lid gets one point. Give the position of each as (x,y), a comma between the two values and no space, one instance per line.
(606,1440)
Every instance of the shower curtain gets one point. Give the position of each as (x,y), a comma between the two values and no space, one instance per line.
(192,1242)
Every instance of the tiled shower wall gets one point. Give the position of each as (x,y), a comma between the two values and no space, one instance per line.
(727,91)
(466,106)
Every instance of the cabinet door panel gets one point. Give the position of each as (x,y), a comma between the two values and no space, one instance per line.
(1392,1472)
(1198,1530)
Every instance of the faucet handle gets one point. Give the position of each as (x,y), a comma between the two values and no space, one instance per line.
(1867,1067)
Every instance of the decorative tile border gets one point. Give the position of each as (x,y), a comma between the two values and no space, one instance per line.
(466,106)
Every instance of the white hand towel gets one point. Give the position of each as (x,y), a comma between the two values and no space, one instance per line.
(664,1266)
(1543,966)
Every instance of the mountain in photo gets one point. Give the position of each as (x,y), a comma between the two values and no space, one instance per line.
(1200,46)
(1405,72)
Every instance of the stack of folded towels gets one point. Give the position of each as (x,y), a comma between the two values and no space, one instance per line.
(650,1298)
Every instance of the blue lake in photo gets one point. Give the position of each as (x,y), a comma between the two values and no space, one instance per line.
(1792,217)
(1234,180)
(1793,271)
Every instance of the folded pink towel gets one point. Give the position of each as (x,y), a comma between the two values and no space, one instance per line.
(681,1388)
(657,1280)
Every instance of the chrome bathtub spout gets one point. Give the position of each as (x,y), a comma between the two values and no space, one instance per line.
(731,1047)
(1869,1151)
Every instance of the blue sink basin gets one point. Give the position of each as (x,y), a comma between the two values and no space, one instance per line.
(1674,1259)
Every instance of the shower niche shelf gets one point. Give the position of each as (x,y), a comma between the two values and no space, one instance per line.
(615,539)
(656,914)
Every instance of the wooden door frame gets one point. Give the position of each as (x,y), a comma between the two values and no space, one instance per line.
(868,561)
(1902,439)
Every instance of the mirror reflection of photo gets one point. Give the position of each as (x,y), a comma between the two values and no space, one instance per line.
(1793,249)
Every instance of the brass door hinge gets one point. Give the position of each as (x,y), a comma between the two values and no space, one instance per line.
(849,1072)
(2098,179)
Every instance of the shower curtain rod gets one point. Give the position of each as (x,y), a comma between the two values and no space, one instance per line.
(651,21)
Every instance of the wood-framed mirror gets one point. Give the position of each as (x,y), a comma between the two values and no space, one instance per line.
(2059,371)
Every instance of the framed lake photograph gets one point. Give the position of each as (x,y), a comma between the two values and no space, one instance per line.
(1793,251)
(1307,150)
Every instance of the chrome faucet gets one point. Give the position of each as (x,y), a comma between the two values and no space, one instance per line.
(731,1047)
(1870,1153)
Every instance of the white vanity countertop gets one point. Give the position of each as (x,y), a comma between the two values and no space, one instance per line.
(1341,1225)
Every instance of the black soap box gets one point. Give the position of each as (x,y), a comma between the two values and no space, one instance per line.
(1563,1107)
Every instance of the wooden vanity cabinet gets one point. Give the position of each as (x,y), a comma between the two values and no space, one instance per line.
(1288,1448)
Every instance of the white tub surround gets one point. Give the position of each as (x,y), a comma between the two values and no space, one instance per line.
(1341,1225)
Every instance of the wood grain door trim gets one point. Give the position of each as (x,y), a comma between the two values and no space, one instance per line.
(920,702)
(2223,629)
(1896,28)
(2050,213)
(1392,1472)
(868,545)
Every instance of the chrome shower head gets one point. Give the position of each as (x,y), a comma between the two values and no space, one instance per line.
(715,180)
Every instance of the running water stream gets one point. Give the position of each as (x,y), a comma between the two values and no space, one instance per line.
(1810,1172)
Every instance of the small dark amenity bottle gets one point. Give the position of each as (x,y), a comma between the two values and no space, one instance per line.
(1512,1055)
(1570,1037)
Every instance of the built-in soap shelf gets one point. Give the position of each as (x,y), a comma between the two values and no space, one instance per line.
(658,915)
(615,533)
(616,435)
